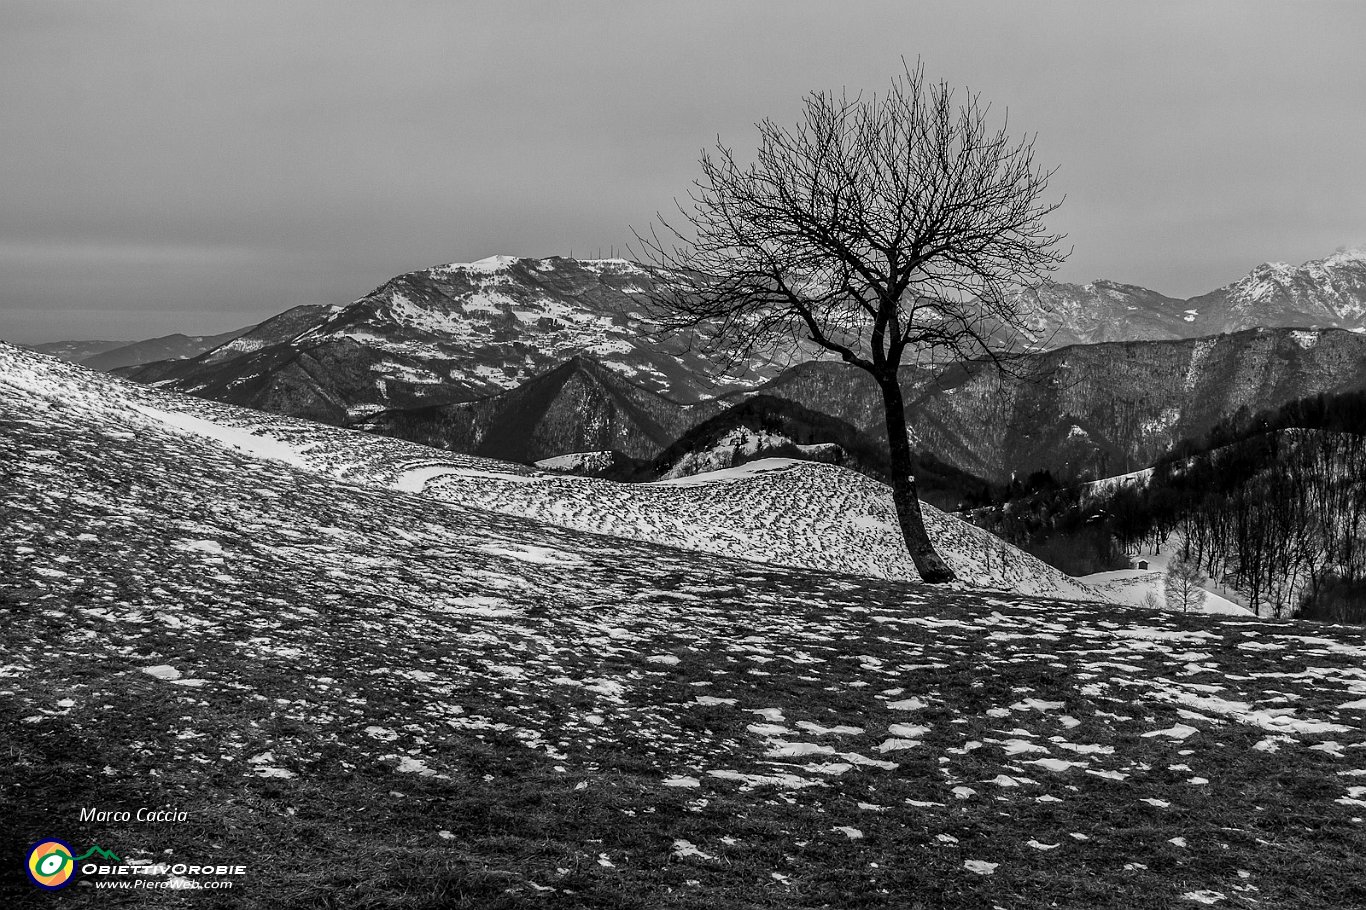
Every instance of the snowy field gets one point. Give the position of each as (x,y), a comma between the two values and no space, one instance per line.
(434,704)
(1132,586)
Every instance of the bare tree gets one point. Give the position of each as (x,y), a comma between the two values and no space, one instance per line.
(881,230)
(1183,587)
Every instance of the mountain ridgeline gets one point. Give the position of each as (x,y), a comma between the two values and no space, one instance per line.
(1321,293)
(114,356)
(456,333)
(530,359)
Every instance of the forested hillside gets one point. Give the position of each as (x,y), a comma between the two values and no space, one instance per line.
(1273,505)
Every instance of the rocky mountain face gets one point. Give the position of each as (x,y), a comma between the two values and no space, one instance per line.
(1111,408)
(1320,293)
(457,333)
(1060,314)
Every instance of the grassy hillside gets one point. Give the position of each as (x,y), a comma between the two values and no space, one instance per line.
(373,699)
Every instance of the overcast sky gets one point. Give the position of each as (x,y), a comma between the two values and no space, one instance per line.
(196,167)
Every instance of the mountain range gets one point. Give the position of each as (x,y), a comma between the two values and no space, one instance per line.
(1097,409)
(531,359)
(461,332)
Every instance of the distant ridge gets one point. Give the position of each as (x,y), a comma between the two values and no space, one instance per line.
(1320,293)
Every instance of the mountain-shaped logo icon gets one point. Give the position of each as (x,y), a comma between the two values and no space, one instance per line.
(100,852)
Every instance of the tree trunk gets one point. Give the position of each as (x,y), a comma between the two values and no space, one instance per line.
(932,569)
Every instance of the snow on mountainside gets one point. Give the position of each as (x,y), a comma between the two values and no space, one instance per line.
(1320,293)
(776,511)
(582,463)
(457,333)
(277,329)
(462,332)
(427,700)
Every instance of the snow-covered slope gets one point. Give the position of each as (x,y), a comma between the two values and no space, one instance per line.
(1135,586)
(777,511)
(774,510)
(584,464)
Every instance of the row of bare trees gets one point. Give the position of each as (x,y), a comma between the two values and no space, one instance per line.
(1281,517)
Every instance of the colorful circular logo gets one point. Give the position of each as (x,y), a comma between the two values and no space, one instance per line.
(51,864)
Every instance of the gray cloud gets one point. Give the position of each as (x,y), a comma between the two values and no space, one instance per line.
(197,167)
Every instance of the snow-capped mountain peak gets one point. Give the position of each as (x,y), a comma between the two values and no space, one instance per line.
(1317,293)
